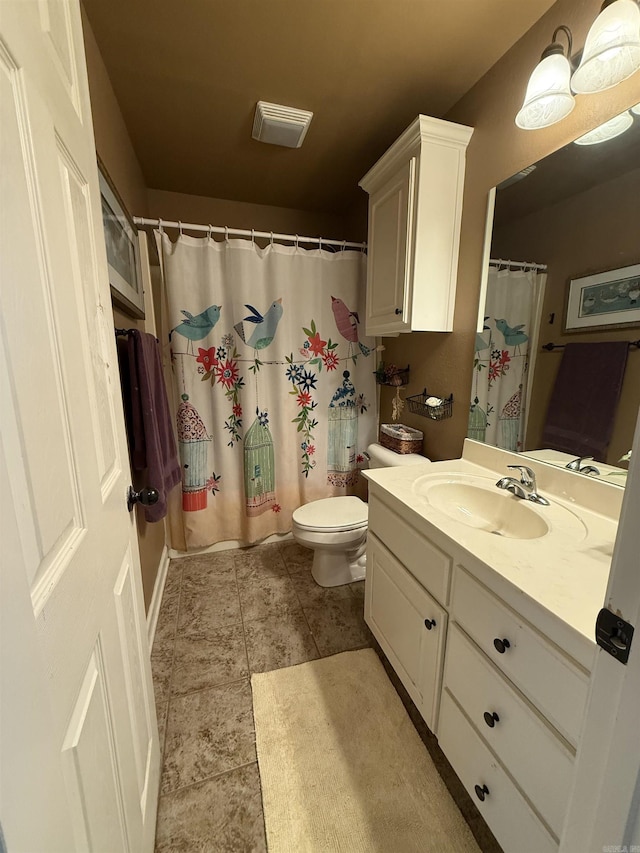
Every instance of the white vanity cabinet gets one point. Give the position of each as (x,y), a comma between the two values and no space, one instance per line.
(516,702)
(415,208)
(505,702)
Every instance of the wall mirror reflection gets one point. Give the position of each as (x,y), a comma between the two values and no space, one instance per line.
(564,274)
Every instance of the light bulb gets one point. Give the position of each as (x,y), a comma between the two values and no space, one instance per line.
(609,130)
(612,49)
(548,98)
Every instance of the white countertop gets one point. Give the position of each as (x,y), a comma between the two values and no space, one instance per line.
(554,581)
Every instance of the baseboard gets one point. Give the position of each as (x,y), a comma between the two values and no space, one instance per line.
(156,598)
(229,545)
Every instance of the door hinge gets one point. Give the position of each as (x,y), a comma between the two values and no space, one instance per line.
(614,635)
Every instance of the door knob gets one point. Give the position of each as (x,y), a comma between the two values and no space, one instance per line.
(398,310)
(481,792)
(146,497)
(429,624)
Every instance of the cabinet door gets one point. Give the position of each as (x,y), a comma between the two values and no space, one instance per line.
(389,267)
(409,625)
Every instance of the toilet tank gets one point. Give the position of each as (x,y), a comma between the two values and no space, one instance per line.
(383,457)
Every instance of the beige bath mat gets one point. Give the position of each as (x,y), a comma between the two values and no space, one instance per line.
(343,769)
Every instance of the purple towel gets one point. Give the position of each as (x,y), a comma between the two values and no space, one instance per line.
(583,404)
(151,440)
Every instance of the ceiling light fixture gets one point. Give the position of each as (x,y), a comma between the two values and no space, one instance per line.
(279,125)
(612,49)
(636,110)
(611,54)
(609,130)
(548,98)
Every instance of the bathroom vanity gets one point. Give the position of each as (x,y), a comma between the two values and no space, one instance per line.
(485,605)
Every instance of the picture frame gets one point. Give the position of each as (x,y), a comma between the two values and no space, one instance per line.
(123,251)
(604,300)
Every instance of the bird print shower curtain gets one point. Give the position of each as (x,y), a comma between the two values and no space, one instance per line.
(274,382)
(501,362)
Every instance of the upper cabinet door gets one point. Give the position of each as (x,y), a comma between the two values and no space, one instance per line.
(415,208)
(389,264)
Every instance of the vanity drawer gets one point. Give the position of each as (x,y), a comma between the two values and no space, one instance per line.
(428,564)
(539,761)
(409,625)
(549,679)
(505,810)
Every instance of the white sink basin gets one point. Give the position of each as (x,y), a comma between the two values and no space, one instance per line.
(476,502)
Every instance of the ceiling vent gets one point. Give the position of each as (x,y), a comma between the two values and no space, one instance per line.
(280,125)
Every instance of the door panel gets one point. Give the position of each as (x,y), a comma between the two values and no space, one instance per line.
(64,442)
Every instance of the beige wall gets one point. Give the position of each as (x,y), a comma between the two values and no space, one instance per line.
(238,214)
(114,148)
(593,231)
(498,148)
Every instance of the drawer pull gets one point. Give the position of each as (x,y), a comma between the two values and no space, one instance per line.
(501,645)
(481,792)
(491,718)
(429,624)
(398,310)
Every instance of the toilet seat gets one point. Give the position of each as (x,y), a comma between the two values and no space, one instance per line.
(337,514)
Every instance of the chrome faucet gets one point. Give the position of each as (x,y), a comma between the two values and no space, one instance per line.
(524,488)
(576,465)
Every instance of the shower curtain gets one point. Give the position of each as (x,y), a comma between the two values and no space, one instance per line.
(274,381)
(497,414)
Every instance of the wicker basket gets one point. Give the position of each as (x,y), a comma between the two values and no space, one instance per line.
(400,438)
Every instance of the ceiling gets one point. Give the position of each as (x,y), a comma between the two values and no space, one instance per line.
(188,74)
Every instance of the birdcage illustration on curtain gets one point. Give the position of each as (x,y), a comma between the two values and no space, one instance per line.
(477,428)
(509,421)
(342,435)
(193,446)
(259,468)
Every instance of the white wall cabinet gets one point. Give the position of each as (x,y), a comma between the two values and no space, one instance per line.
(504,701)
(415,208)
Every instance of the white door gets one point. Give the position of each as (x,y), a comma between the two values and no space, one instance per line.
(80,760)
(604,810)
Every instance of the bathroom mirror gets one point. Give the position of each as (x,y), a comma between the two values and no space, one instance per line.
(571,215)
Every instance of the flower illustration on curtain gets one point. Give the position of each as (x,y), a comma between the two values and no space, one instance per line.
(498,365)
(219,365)
(259,467)
(343,435)
(193,446)
(303,384)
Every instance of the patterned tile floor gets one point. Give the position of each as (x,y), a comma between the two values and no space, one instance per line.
(223,617)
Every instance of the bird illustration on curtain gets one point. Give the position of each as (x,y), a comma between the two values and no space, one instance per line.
(513,337)
(197,327)
(347,324)
(261,329)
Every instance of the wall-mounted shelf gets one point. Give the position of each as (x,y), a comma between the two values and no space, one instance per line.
(389,374)
(430,406)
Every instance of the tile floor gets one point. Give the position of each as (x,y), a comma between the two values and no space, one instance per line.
(223,617)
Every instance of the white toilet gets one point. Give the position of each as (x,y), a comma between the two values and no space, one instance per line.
(336,528)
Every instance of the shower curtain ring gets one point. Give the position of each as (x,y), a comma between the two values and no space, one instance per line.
(252,236)
(210,235)
(272,238)
(344,245)
(160,226)
(226,234)
(180,227)
(320,243)
(296,241)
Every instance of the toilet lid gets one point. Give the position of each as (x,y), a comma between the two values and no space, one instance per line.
(342,513)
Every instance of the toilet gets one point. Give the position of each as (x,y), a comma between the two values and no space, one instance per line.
(336,528)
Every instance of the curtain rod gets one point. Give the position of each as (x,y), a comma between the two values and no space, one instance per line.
(243,232)
(521,264)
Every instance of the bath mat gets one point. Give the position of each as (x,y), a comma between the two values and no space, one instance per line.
(343,769)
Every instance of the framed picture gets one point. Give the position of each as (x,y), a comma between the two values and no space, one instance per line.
(123,253)
(605,300)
